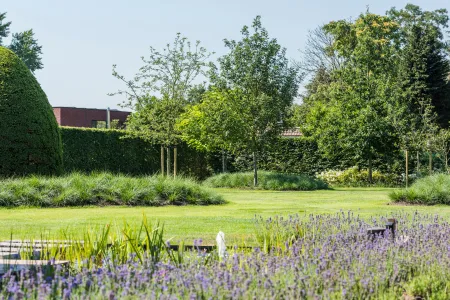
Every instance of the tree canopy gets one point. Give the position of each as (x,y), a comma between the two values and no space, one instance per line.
(254,89)
(23,44)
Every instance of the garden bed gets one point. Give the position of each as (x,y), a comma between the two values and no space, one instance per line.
(104,189)
(315,256)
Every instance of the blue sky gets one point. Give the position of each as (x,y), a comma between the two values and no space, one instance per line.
(82,39)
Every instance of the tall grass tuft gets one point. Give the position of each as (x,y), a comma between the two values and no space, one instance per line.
(110,244)
(430,190)
(278,234)
(267,181)
(78,189)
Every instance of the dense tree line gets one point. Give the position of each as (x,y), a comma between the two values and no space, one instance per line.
(377,85)
(390,90)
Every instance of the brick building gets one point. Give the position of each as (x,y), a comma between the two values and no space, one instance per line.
(88,117)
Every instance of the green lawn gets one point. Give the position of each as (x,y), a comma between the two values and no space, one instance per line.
(191,222)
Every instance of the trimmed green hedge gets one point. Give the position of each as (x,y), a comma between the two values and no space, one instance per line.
(87,150)
(30,142)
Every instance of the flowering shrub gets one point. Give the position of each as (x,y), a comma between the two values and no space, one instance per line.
(355,177)
(333,258)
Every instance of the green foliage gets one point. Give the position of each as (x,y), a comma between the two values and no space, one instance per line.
(156,121)
(424,64)
(87,150)
(354,177)
(354,115)
(170,75)
(4,27)
(119,243)
(23,44)
(430,190)
(277,234)
(29,134)
(267,181)
(78,189)
(215,123)
(262,85)
(27,48)
(432,285)
(382,97)
(291,155)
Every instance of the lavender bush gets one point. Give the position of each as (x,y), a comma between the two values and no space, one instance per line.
(332,258)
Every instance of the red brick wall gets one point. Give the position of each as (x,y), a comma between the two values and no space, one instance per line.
(57,112)
(83,117)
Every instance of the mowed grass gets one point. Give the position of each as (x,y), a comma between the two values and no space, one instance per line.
(235,219)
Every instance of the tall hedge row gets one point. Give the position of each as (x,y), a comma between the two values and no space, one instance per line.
(30,141)
(87,149)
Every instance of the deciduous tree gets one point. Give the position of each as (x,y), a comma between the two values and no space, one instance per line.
(353,114)
(160,91)
(255,87)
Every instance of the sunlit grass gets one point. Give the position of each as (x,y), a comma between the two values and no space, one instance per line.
(236,218)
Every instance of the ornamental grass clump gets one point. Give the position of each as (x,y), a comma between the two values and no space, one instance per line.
(267,181)
(430,190)
(332,258)
(77,189)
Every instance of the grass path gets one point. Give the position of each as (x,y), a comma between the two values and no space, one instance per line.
(191,222)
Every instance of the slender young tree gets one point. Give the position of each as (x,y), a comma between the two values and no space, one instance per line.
(161,90)
(255,87)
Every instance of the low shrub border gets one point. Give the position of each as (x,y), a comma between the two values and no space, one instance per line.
(78,189)
(354,177)
(430,190)
(267,181)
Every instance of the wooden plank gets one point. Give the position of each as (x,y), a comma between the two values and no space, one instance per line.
(19,262)
(40,242)
(17,265)
(9,254)
(33,246)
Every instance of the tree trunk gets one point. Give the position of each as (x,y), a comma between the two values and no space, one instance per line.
(370,167)
(175,160)
(418,162)
(430,156)
(162,160)
(168,161)
(224,162)
(255,169)
(406,168)
(446,162)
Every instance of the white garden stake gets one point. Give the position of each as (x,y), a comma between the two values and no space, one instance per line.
(221,248)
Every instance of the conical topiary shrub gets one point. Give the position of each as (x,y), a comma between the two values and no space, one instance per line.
(30,141)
